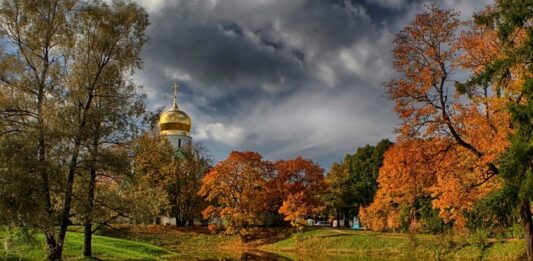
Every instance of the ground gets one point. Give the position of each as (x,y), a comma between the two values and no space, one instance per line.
(170,243)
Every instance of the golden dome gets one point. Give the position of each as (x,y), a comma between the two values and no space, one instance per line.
(174,121)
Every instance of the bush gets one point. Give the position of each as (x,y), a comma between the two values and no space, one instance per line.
(428,220)
(17,237)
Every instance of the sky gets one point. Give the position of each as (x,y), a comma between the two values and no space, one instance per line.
(283,78)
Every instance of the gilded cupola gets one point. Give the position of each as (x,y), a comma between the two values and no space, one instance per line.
(175,121)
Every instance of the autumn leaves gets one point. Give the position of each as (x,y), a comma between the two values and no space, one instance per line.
(244,190)
(450,138)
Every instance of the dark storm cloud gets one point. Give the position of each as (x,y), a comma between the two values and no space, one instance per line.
(220,55)
(276,76)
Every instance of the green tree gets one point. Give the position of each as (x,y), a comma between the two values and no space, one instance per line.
(353,182)
(57,58)
(33,33)
(178,176)
(184,183)
(513,22)
(116,106)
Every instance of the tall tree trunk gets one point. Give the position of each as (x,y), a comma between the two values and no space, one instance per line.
(525,215)
(88,223)
(54,250)
(88,233)
(176,213)
(64,220)
(55,253)
(346,218)
(87,240)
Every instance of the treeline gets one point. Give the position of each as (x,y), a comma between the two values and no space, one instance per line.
(245,190)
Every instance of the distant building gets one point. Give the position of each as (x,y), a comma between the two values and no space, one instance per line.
(175,125)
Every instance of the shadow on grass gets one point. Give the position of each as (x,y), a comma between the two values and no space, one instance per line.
(337,235)
(92,258)
(261,236)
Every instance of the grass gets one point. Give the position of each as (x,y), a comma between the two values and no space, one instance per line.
(163,243)
(395,245)
(179,239)
(192,243)
(105,248)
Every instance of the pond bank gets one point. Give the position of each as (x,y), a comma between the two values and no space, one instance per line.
(325,242)
(399,245)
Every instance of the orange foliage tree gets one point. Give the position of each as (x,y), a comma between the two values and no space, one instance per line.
(236,187)
(299,184)
(405,178)
(471,127)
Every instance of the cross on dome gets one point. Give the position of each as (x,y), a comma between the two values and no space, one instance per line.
(176,86)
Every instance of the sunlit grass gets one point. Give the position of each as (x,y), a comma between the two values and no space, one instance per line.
(103,248)
(396,245)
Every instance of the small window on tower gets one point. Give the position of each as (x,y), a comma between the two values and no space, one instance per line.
(179,143)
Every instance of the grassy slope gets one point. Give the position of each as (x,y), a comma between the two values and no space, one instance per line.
(196,243)
(103,248)
(183,239)
(396,245)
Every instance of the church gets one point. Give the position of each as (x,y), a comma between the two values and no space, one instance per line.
(175,125)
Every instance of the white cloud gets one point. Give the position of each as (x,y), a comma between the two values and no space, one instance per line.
(349,62)
(326,74)
(152,5)
(316,122)
(230,135)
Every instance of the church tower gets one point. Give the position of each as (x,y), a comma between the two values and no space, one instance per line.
(175,125)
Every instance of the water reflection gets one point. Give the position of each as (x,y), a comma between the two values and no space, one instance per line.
(268,256)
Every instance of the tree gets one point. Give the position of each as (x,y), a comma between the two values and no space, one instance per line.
(337,197)
(404,181)
(430,53)
(235,188)
(178,176)
(512,73)
(30,71)
(184,184)
(116,106)
(299,185)
(118,193)
(353,182)
(57,58)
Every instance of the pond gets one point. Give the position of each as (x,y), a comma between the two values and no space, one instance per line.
(282,256)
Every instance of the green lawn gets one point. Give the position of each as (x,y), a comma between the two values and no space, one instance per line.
(397,245)
(105,248)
